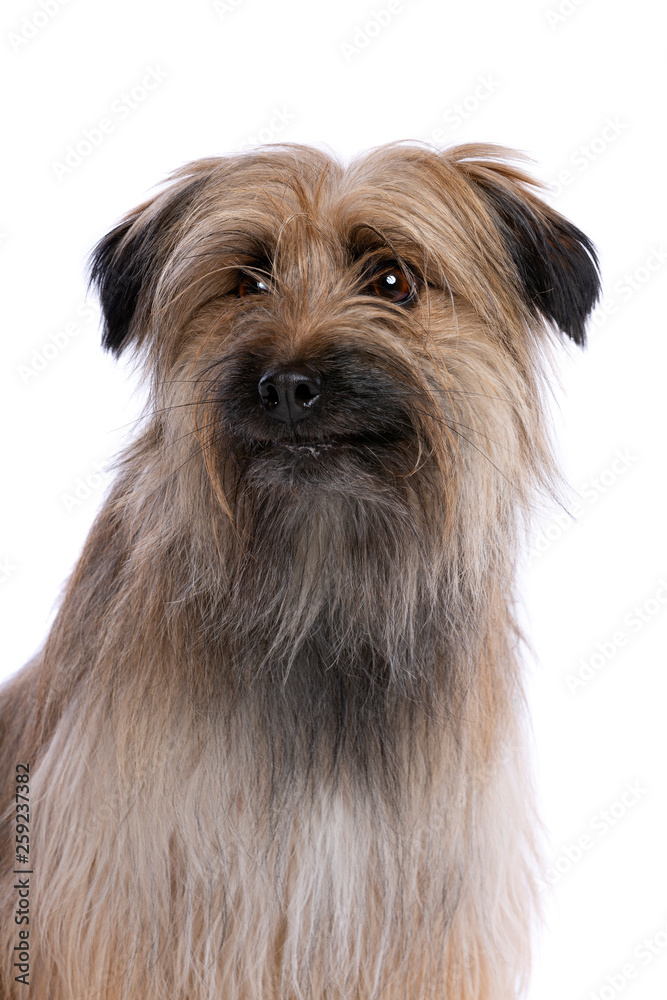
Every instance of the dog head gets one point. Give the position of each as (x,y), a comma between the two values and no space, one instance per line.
(347,369)
(326,309)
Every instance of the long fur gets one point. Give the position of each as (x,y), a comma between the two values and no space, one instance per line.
(276,735)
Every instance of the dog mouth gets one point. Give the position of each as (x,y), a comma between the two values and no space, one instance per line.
(315,449)
(306,450)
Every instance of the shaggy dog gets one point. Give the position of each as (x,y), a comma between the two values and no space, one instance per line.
(272,748)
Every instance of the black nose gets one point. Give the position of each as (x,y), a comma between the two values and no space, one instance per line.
(290,393)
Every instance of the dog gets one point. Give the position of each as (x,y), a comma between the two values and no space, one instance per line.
(274,745)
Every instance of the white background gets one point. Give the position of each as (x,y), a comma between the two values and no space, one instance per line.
(581,91)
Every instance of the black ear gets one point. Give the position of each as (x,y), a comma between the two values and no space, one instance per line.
(125,265)
(556,263)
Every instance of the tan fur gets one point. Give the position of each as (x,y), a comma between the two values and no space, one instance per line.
(201,827)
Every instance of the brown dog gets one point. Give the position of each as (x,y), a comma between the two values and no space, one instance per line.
(274,739)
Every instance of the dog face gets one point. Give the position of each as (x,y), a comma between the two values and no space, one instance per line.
(346,369)
(330,312)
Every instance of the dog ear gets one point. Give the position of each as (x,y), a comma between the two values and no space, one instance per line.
(556,263)
(126,264)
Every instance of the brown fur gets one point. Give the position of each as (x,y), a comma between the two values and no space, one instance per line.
(276,734)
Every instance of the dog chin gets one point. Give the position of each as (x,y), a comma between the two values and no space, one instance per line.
(271,464)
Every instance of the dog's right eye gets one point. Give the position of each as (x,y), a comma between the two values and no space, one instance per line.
(250,285)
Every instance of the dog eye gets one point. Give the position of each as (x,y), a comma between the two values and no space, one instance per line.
(392,284)
(249,285)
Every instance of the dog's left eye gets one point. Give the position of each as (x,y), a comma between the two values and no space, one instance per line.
(392,284)
(250,285)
